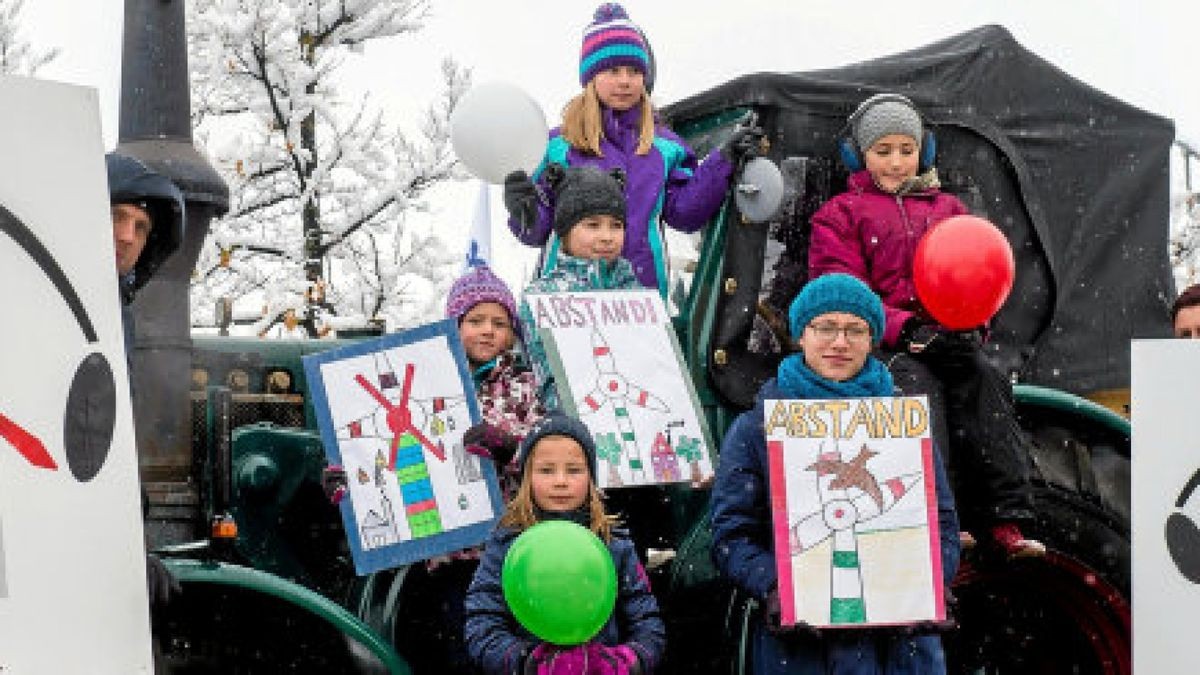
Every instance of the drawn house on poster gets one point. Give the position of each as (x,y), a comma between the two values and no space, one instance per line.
(854,511)
(392,412)
(618,367)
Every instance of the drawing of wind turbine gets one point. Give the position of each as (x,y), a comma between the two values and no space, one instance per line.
(850,495)
(406,458)
(614,388)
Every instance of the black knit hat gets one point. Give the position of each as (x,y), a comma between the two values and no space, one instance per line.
(585,191)
(558,423)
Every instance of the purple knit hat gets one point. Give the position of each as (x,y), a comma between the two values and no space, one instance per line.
(611,40)
(476,285)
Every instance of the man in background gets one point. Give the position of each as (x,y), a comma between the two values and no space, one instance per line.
(1185,313)
(147,218)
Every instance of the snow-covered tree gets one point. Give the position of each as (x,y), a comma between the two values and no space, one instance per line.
(319,185)
(1185,221)
(18,56)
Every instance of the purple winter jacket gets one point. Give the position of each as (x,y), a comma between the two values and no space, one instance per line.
(873,235)
(664,185)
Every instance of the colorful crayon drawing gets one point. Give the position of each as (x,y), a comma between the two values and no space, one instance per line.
(854,521)
(618,368)
(392,412)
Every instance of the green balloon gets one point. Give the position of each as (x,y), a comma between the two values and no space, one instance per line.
(560,582)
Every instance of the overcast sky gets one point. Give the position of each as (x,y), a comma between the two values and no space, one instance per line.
(1142,52)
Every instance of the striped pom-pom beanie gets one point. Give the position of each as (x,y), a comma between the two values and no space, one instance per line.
(611,40)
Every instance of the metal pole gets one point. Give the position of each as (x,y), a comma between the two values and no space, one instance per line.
(155,126)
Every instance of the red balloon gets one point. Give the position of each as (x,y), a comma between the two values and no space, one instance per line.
(963,270)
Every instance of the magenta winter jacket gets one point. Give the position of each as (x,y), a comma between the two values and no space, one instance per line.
(873,235)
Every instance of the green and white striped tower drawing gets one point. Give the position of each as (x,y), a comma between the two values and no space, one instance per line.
(850,495)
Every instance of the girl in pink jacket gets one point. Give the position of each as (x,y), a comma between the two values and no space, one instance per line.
(871,231)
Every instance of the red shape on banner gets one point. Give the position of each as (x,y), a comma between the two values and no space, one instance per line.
(26,444)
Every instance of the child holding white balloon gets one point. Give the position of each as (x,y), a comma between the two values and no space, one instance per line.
(557,462)
(612,124)
(871,231)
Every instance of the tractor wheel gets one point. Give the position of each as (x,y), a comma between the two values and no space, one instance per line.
(1068,612)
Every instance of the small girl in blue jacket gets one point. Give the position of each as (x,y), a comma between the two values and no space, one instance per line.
(838,319)
(558,467)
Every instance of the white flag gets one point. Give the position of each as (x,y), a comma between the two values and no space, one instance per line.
(479,246)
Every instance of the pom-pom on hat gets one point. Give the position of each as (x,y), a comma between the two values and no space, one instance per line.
(476,285)
(836,293)
(558,423)
(883,115)
(611,40)
(583,191)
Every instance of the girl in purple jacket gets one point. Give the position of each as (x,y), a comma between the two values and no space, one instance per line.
(871,231)
(611,124)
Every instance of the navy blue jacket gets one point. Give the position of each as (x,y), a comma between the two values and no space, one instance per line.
(497,642)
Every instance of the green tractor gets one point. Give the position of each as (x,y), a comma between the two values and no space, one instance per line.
(1016,137)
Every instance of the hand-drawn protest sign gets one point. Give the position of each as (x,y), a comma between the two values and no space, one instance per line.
(618,367)
(69,504)
(392,412)
(854,509)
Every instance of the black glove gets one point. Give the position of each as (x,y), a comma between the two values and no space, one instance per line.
(520,198)
(745,142)
(161,585)
(931,340)
(333,483)
(772,614)
(492,442)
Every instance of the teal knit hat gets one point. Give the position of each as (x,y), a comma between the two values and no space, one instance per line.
(837,293)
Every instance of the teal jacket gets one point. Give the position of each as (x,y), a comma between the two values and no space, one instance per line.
(566,273)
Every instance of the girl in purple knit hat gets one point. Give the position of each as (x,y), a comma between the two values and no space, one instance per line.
(486,313)
(611,124)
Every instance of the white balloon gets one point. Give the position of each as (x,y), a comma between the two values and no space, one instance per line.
(497,128)
(759,190)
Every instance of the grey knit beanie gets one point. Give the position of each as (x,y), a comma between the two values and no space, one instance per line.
(585,191)
(883,115)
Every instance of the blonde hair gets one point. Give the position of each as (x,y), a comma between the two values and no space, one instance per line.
(520,515)
(583,127)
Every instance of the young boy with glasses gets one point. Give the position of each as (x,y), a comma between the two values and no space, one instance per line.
(836,319)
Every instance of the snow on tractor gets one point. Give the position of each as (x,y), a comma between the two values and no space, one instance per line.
(1017,142)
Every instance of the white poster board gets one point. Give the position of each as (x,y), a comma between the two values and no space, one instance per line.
(1166,544)
(392,412)
(72,558)
(854,511)
(618,368)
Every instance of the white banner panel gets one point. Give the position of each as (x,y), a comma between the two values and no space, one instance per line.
(72,562)
(1166,469)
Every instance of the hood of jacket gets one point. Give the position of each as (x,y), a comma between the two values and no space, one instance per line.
(130,181)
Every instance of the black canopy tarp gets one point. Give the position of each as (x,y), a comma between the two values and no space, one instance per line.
(1077,180)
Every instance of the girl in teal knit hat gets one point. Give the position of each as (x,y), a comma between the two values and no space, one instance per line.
(836,320)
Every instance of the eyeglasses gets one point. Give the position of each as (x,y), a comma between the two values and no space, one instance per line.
(828,332)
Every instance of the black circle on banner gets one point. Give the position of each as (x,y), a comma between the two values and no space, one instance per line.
(90,416)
